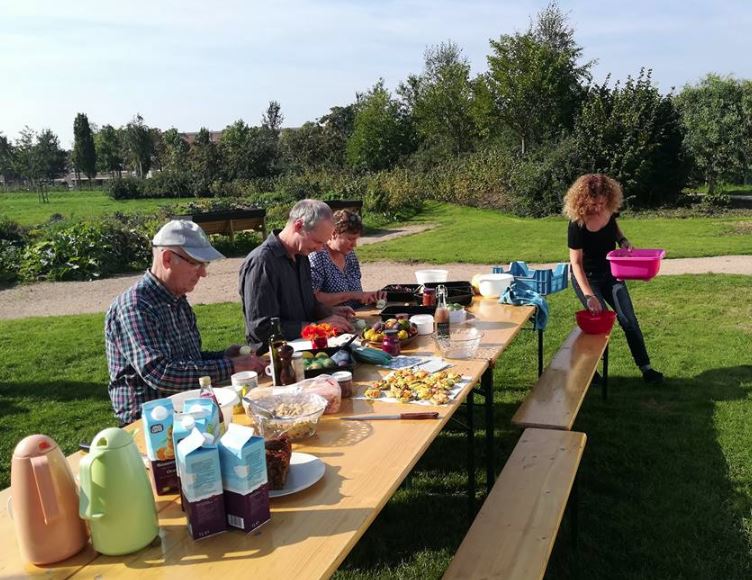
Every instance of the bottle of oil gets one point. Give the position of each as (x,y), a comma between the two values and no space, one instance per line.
(276,343)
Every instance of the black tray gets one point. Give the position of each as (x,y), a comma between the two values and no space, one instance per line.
(409,292)
(393,311)
(310,373)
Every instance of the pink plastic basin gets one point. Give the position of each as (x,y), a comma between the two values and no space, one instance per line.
(600,323)
(635,264)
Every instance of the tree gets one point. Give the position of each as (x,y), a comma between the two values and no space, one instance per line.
(337,126)
(382,132)
(7,171)
(634,134)
(203,160)
(233,149)
(108,148)
(174,151)
(50,157)
(441,100)
(535,83)
(272,118)
(84,156)
(26,163)
(138,146)
(302,148)
(714,120)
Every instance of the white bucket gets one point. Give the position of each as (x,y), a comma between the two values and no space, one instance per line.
(423,276)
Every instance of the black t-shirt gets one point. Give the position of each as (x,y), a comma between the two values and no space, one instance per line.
(594,245)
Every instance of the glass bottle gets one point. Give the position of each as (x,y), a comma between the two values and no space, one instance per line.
(207,392)
(429,296)
(441,316)
(297,366)
(276,342)
(286,375)
(391,344)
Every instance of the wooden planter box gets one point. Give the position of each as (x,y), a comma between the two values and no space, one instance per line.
(230,221)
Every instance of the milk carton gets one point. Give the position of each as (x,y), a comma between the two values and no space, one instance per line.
(182,425)
(160,450)
(201,482)
(242,457)
(204,409)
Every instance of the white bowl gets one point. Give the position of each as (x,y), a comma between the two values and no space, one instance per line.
(424,323)
(494,285)
(226,397)
(423,276)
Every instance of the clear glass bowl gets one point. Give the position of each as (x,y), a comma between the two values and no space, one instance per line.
(463,342)
(295,413)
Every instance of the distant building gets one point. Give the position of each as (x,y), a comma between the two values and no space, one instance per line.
(214,136)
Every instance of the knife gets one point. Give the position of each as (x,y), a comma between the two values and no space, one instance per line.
(427,415)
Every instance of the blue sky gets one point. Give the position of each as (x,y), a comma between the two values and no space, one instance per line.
(189,64)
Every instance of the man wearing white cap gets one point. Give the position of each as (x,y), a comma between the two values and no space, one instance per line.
(153,343)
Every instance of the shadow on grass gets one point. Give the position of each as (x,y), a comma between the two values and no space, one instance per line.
(656,496)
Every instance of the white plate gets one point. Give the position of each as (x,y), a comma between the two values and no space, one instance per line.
(305,470)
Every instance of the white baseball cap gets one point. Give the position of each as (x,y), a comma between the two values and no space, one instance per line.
(190,237)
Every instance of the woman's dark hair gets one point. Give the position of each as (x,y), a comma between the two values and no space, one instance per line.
(347,222)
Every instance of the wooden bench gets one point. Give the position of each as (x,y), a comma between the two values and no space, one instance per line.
(354,205)
(514,532)
(230,221)
(556,398)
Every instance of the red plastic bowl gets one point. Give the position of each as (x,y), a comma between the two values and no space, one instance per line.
(600,323)
(635,264)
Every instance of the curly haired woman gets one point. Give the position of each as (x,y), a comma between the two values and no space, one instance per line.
(591,204)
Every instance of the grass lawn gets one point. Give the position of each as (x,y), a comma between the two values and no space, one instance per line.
(665,482)
(482,236)
(23,207)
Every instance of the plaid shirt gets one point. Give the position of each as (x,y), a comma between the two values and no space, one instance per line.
(154,348)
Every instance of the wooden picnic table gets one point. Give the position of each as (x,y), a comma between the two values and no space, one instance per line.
(311,532)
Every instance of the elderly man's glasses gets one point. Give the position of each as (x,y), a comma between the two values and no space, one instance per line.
(195,264)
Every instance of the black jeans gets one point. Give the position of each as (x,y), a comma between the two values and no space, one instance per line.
(614,292)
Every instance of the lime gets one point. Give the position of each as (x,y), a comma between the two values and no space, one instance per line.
(307,354)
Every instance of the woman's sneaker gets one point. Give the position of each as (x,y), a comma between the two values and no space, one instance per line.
(652,376)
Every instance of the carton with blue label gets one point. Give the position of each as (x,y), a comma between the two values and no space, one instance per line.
(201,484)
(160,450)
(205,410)
(242,456)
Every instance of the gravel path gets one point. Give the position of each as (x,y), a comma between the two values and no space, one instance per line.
(221,285)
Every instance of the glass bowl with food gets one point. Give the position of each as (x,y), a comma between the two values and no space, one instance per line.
(290,412)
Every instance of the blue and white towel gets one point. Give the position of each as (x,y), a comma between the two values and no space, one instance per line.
(520,294)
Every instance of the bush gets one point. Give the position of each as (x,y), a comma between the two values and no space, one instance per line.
(395,194)
(125,188)
(12,232)
(10,260)
(168,184)
(538,183)
(86,251)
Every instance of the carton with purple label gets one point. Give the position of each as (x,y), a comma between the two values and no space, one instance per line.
(201,483)
(242,458)
(160,449)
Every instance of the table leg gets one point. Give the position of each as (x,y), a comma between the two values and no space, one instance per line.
(487,386)
(605,374)
(470,455)
(540,351)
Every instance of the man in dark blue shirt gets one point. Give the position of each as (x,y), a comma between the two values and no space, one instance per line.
(275,278)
